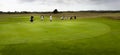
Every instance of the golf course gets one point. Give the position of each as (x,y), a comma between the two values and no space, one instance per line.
(89,34)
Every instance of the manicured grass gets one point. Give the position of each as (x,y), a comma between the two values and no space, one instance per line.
(95,36)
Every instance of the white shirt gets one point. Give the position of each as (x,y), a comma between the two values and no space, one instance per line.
(42,17)
(62,17)
(51,17)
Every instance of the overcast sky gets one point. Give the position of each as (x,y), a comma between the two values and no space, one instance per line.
(62,5)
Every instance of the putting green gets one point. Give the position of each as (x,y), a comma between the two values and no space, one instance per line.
(42,31)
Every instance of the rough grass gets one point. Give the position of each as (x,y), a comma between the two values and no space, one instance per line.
(95,36)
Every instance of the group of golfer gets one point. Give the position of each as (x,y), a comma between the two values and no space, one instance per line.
(62,18)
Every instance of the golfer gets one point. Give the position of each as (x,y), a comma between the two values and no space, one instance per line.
(31,19)
(50,18)
(62,18)
(42,17)
(75,17)
(71,18)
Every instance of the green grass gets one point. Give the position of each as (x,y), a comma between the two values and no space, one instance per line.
(95,36)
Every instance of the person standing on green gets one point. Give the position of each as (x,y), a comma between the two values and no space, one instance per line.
(42,17)
(31,18)
(50,18)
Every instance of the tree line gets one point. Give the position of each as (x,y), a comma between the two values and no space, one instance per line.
(56,12)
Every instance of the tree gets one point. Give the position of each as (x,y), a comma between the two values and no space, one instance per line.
(1,12)
(55,11)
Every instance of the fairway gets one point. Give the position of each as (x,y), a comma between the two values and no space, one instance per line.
(95,36)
